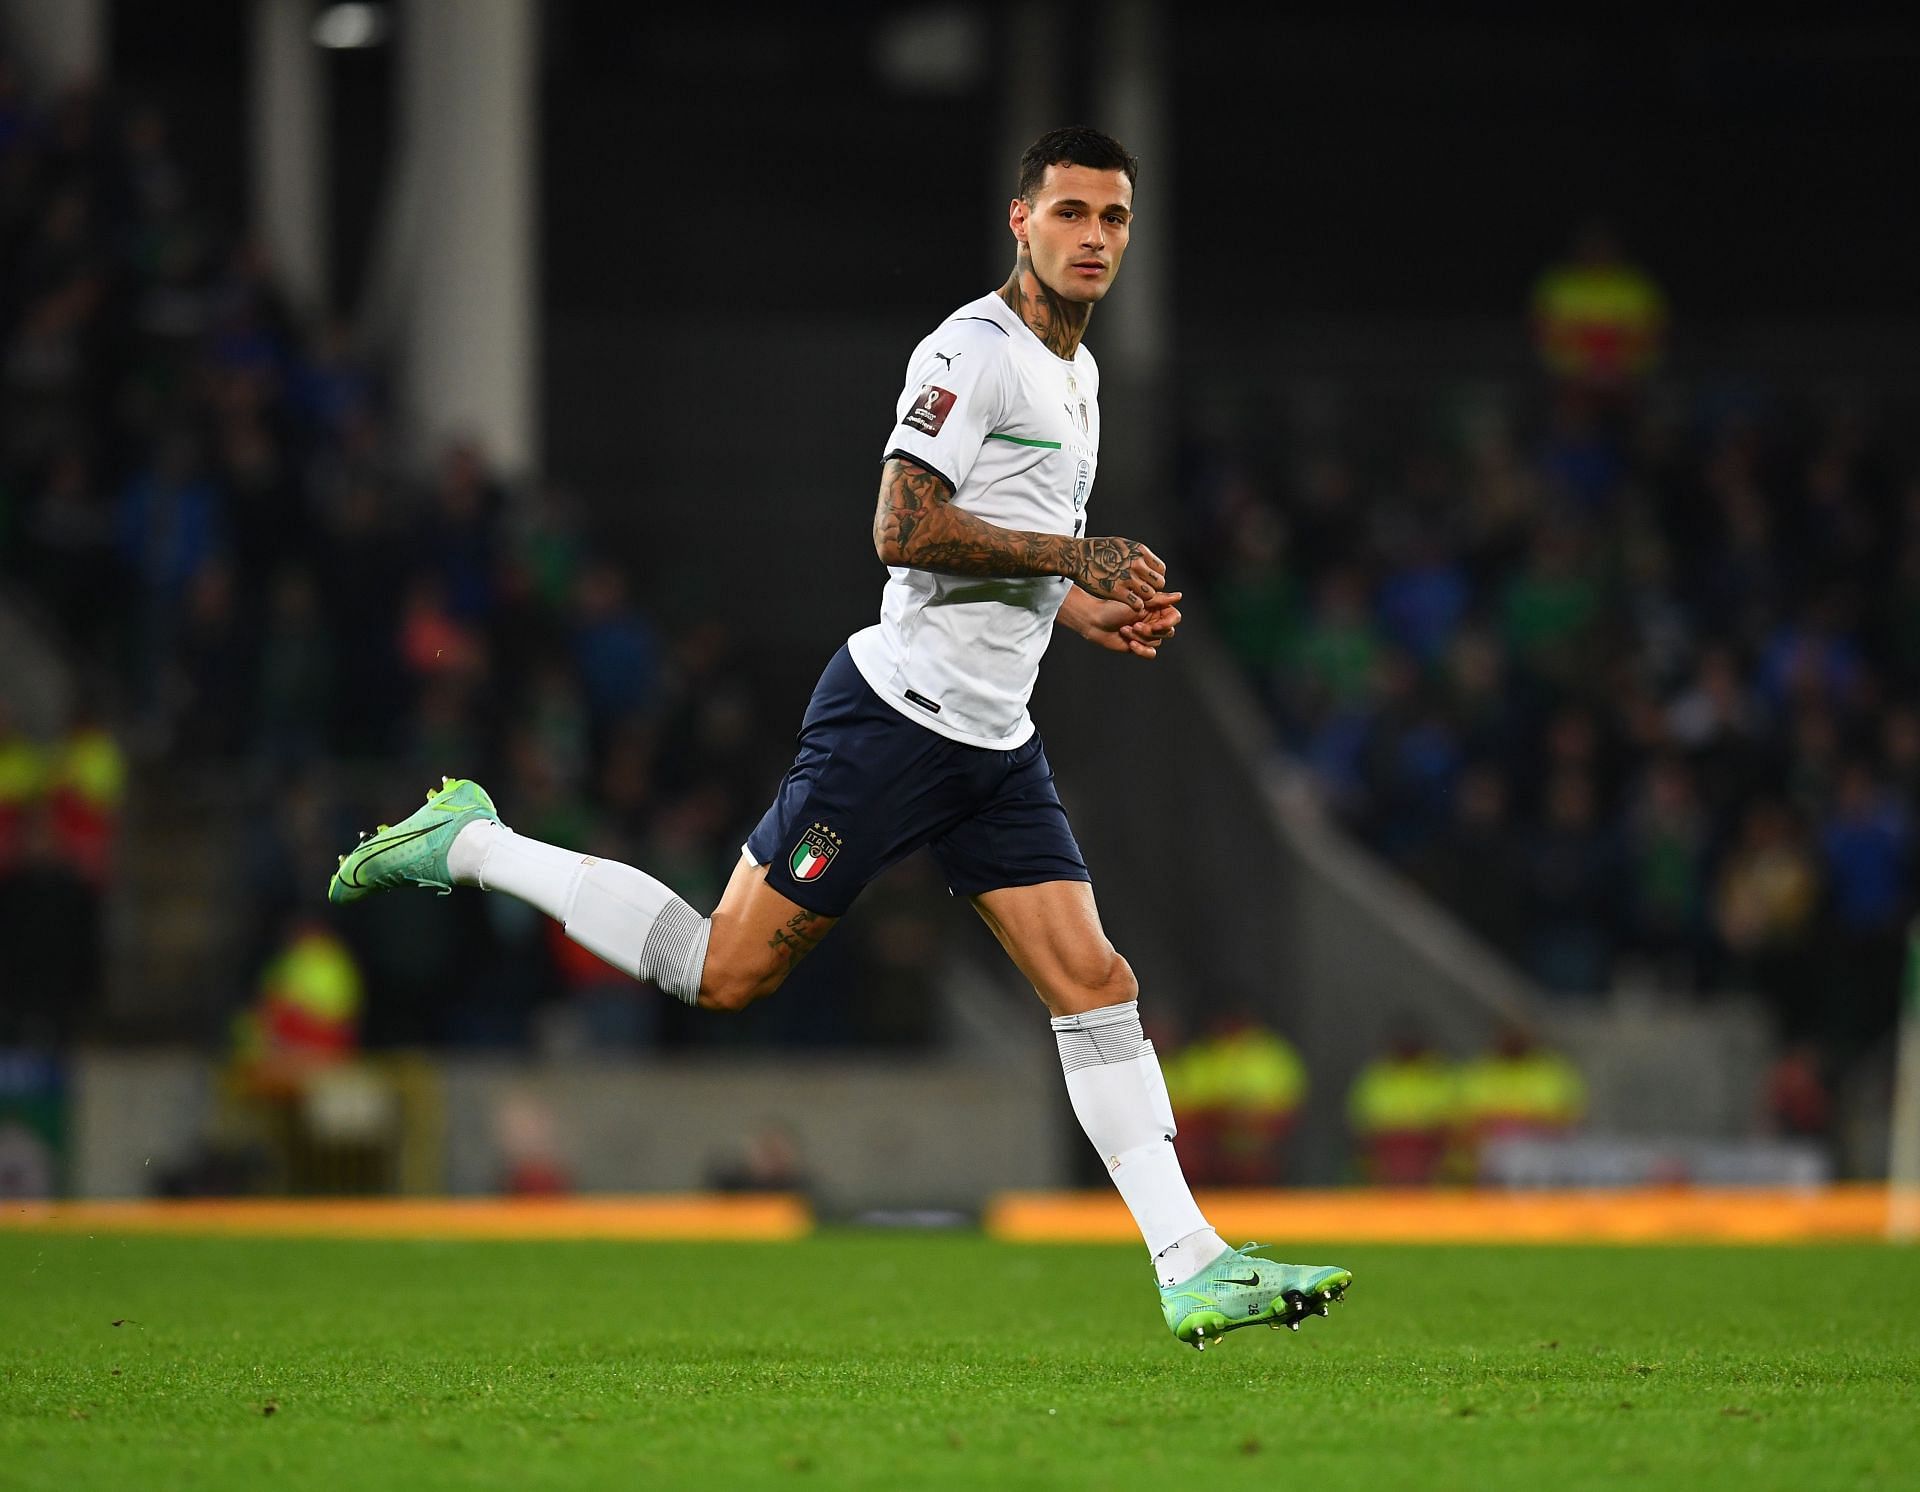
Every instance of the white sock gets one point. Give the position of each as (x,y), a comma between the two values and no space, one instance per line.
(1179,1262)
(623,915)
(1120,1099)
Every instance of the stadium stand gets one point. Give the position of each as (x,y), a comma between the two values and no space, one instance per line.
(302,622)
(1631,686)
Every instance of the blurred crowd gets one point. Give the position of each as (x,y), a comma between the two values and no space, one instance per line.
(1625,672)
(205,507)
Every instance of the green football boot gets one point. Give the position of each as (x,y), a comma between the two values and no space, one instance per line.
(412,852)
(1245,1287)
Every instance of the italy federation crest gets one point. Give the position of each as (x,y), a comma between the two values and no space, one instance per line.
(814,853)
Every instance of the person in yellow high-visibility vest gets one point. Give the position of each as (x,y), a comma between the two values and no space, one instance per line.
(307,1014)
(1239,1090)
(1598,321)
(23,777)
(1403,1108)
(1518,1089)
(86,780)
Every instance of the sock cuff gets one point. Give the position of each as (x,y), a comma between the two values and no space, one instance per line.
(1093,1020)
(1100,1037)
(467,855)
(676,948)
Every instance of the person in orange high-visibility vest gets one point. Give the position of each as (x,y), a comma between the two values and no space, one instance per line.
(1403,1107)
(1239,1090)
(1518,1090)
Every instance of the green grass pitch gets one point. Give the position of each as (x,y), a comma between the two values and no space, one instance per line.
(862,1360)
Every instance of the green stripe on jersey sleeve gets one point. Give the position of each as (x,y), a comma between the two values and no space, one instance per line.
(1021,440)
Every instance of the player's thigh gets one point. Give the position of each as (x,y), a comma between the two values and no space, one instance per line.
(867,788)
(758,935)
(1052,933)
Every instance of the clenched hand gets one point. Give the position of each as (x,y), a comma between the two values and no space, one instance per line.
(1121,570)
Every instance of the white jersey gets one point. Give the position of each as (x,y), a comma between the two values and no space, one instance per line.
(1015,431)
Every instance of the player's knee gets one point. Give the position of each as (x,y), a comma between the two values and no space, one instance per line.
(730,987)
(723,989)
(1106,980)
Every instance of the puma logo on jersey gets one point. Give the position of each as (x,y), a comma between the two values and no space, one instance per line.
(949,361)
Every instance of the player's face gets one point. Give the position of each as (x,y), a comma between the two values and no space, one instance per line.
(1075,229)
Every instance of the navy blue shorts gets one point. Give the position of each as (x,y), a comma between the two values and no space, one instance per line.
(870,786)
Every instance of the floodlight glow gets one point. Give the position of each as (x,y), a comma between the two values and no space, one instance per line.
(344,27)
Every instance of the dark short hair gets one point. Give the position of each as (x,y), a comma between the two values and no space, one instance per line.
(1076,145)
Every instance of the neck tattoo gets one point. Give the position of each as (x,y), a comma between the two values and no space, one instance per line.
(1056,321)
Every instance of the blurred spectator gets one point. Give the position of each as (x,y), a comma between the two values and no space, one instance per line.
(330,388)
(1413,759)
(1518,1090)
(1256,603)
(169,532)
(1571,881)
(614,647)
(1811,661)
(1666,853)
(1339,647)
(295,666)
(1403,1108)
(23,775)
(85,784)
(209,684)
(1765,905)
(1715,719)
(527,1133)
(1238,1091)
(1798,1101)
(1581,459)
(1599,322)
(1424,598)
(306,1016)
(769,1161)
(1867,849)
(359,573)
(70,548)
(50,933)
(434,642)
(59,823)
(1549,608)
(461,528)
(1867,843)
(1473,863)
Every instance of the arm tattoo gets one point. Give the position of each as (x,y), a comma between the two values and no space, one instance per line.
(1058,322)
(909,495)
(916,524)
(799,937)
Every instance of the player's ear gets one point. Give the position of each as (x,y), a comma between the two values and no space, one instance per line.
(1017,219)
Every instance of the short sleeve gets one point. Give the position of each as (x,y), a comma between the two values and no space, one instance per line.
(954,397)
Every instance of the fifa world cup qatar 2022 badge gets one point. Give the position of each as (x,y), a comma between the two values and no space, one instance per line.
(814,853)
(931,406)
